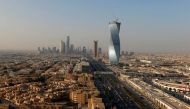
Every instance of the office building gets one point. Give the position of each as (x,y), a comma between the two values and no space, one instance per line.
(62,47)
(99,51)
(39,50)
(84,50)
(114,47)
(68,45)
(95,49)
(54,50)
(71,48)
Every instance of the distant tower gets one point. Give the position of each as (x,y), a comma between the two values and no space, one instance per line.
(71,48)
(68,45)
(39,50)
(96,49)
(114,47)
(49,50)
(84,50)
(79,49)
(62,47)
(43,50)
(54,50)
(122,53)
(99,51)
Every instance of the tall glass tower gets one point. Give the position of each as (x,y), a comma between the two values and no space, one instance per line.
(68,45)
(114,47)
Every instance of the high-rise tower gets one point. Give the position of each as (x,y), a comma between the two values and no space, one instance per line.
(68,45)
(96,48)
(71,48)
(114,47)
(62,47)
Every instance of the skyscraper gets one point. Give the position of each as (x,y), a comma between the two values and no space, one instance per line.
(95,48)
(71,48)
(49,50)
(84,50)
(99,51)
(54,50)
(114,47)
(62,47)
(68,45)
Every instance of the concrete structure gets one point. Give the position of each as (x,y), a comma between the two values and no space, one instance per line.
(95,103)
(5,106)
(79,96)
(62,47)
(114,47)
(95,48)
(158,97)
(71,48)
(172,86)
(99,51)
(54,49)
(68,45)
(48,50)
(84,50)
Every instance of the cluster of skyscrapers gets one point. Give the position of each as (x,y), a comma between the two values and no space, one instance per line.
(48,50)
(113,52)
(65,48)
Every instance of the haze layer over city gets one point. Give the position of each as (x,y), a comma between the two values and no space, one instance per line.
(85,54)
(147,26)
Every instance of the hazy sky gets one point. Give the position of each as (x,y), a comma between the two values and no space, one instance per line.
(147,25)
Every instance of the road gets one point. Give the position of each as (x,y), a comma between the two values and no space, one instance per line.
(115,92)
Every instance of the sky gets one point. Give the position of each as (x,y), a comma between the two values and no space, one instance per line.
(146,25)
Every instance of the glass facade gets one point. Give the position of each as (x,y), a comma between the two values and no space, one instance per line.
(114,47)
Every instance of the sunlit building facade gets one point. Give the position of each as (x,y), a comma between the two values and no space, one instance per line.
(114,47)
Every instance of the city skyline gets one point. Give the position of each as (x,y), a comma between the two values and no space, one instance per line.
(147,26)
(94,54)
